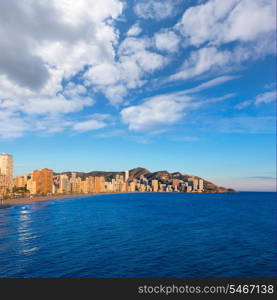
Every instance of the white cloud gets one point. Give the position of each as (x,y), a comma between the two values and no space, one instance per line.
(214,60)
(248,24)
(49,43)
(104,74)
(260,16)
(219,99)
(22,110)
(48,124)
(265,97)
(155,9)
(15,124)
(89,125)
(64,35)
(167,41)
(139,51)
(200,23)
(201,61)
(71,99)
(116,93)
(244,104)
(55,105)
(218,22)
(135,61)
(211,83)
(135,30)
(11,125)
(55,43)
(158,111)
(221,35)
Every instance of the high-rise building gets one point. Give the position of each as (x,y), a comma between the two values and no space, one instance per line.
(6,169)
(64,186)
(31,186)
(200,185)
(175,182)
(84,186)
(109,186)
(43,181)
(126,176)
(155,185)
(20,181)
(3,185)
(132,187)
(193,182)
(76,183)
(189,189)
(99,184)
(90,184)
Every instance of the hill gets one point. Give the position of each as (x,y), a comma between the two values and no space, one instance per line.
(163,176)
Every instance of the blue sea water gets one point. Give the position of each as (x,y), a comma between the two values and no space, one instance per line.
(141,235)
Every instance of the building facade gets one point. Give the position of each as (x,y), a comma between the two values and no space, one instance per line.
(43,180)
(6,173)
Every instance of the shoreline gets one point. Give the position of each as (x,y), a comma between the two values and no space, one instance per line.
(37,199)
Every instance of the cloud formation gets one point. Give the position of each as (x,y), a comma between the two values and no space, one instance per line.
(43,34)
(167,41)
(218,22)
(44,45)
(155,9)
(62,61)
(248,24)
(136,60)
(135,30)
(89,125)
(163,110)
(263,98)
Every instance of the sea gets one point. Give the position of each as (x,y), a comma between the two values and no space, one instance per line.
(141,235)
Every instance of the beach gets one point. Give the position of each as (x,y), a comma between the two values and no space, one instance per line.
(36,199)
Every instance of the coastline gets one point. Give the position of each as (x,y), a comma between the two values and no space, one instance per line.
(37,199)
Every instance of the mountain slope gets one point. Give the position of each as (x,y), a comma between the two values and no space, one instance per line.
(163,176)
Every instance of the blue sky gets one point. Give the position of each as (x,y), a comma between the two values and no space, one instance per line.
(180,85)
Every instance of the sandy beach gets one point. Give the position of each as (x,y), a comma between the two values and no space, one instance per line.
(36,199)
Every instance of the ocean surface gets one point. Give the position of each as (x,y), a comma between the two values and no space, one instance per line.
(141,235)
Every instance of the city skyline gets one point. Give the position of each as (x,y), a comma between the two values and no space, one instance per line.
(110,85)
(9,179)
(265,182)
(46,182)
